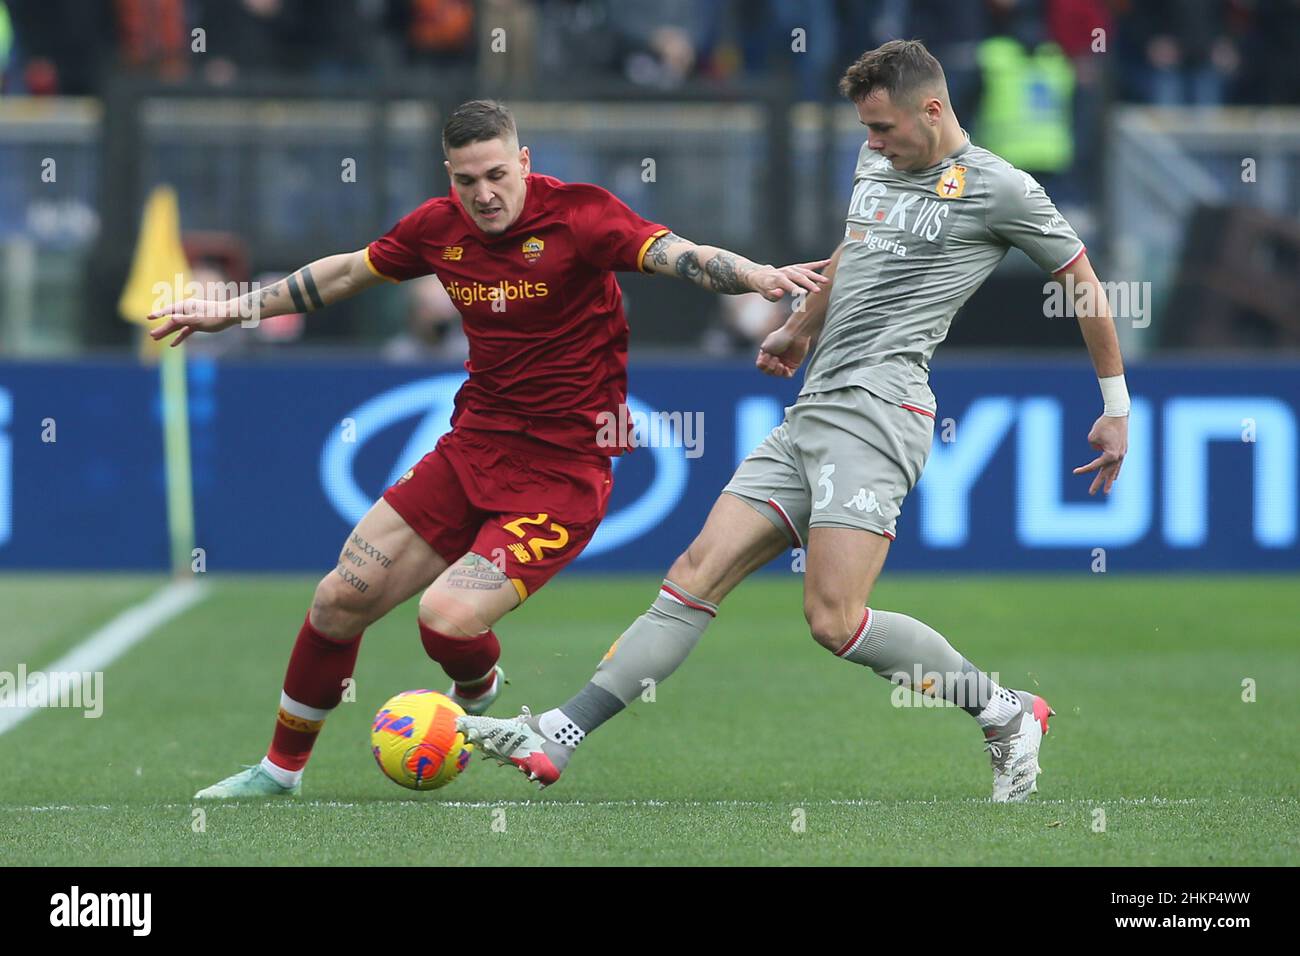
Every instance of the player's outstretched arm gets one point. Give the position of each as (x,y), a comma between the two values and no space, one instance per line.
(1109,433)
(719,270)
(784,348)
(312,287)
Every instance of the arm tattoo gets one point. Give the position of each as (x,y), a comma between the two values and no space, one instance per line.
(295,293)
(688,266)
(266,295)
(309,283)
(658,251)
(724,274)
(309,303)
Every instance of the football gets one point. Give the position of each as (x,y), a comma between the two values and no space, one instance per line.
(415,741)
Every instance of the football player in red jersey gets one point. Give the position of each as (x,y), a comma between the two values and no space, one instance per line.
(516,489)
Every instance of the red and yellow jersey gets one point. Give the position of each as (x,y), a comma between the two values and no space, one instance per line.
(541,308)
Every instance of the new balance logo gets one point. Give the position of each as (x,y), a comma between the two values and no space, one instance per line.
(865,502)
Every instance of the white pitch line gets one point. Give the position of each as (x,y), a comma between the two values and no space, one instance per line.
(423,806)
(115,638)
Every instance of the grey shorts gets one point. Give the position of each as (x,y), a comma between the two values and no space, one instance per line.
(843,458)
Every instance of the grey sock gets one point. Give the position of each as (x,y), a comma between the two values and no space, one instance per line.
(654,645)
(588,709)
(906,651)
(650,649)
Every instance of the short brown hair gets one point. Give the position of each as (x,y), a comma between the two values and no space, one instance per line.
(478,121)
(900,67)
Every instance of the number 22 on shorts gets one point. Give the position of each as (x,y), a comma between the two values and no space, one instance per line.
(536,543)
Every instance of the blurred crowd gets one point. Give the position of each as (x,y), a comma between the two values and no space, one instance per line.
(1201,52)
(1032,79)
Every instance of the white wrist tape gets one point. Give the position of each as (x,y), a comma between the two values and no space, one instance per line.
(1115,394)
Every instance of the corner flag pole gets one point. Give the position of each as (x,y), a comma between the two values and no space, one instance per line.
(176,456)
(159,274)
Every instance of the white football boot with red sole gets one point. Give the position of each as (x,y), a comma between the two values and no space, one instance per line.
(1013,749)
(513,742)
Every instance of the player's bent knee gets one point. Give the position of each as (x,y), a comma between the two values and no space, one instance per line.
(700,571)
(827,625)
(685,570)
(343,608)
(451,615)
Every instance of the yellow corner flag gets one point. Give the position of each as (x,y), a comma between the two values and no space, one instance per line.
(159,270)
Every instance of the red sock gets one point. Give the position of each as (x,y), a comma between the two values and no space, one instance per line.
(465,659)
(313,686)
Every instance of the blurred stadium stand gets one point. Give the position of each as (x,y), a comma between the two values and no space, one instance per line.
(1205,207)
(751,146)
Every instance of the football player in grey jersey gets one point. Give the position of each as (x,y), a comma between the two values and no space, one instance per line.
(930,217)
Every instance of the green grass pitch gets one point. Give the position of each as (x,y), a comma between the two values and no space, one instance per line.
(763,749)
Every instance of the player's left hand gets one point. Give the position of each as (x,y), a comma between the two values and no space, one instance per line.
(773,282)
(1109,435)
(781,353)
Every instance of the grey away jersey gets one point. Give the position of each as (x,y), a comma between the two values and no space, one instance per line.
(916,245)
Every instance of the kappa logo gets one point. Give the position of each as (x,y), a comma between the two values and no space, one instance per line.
(865,502)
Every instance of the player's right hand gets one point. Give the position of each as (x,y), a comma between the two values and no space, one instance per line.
(781,353)
(802,278)
(192,315)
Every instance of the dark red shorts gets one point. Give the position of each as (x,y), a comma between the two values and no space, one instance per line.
(514,500)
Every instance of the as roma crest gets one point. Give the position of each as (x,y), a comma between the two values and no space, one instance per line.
(533,248)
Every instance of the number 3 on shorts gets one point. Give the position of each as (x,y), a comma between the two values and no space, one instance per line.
(824,481)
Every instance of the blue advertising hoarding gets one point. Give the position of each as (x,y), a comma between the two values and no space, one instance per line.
(288,455)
